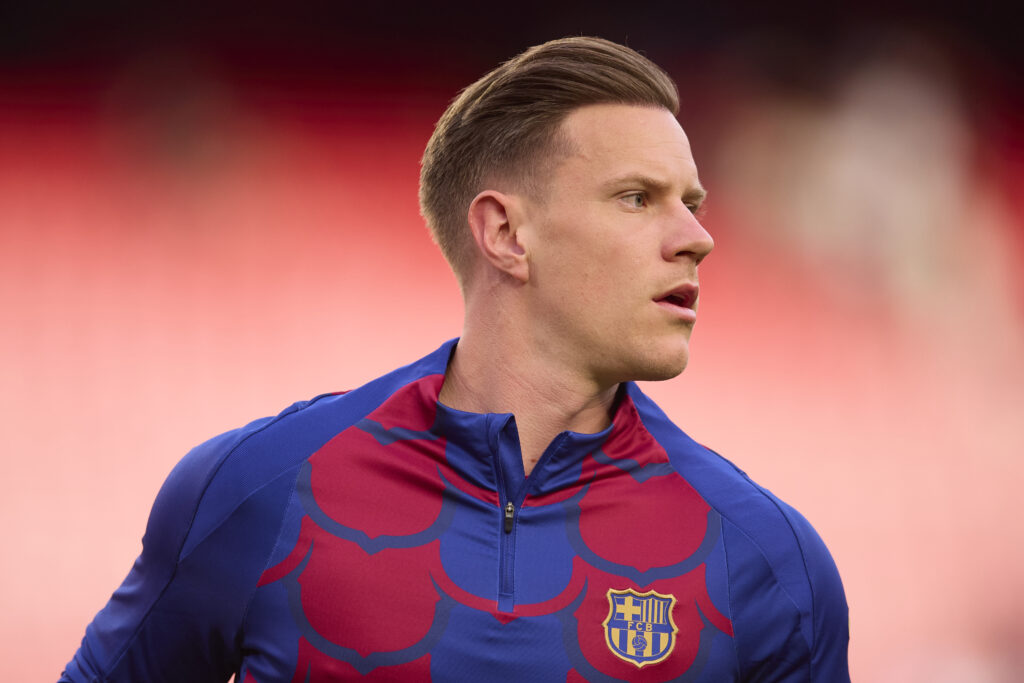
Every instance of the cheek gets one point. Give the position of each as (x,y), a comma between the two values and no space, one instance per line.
(619,277)
(604,288)
(573,269)
(583,260)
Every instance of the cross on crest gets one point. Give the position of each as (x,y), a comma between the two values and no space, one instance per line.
(639,628)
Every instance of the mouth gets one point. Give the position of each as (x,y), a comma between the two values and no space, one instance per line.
(681,301)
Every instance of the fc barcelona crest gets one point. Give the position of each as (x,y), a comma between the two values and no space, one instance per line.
(639,627)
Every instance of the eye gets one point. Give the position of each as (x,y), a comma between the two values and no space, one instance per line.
(695,207)
(635,200)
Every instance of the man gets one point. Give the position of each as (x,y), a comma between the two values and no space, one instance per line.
(510,507)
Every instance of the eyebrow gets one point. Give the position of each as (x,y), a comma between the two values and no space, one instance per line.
(696,193)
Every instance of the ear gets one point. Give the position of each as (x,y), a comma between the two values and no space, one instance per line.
(494,219)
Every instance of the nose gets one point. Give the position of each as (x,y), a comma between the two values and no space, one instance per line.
(686,237)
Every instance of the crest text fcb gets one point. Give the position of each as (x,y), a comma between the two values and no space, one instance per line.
(639,628)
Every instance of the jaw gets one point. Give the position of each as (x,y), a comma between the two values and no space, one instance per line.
(650,359)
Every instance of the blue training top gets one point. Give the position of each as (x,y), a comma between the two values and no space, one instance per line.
(381,535)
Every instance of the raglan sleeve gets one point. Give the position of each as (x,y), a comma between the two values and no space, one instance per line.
(176,616)
(830,613)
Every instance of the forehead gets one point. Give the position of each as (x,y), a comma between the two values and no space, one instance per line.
(615,139)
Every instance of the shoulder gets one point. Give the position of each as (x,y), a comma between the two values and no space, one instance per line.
(213,479)
(211,532)
(217,477)
(778,565)
(784,535)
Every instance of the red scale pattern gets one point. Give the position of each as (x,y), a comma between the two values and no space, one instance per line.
(345,465)
(359,483)
(392,490)
(376,588)
(405,478)
(641,534)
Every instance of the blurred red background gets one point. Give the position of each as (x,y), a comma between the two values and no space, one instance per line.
(207,216)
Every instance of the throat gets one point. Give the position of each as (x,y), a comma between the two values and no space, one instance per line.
(531,455)
(544,403)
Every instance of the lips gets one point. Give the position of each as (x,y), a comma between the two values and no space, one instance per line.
(684,296)
(680,302)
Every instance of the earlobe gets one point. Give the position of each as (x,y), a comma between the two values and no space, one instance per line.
(494,219)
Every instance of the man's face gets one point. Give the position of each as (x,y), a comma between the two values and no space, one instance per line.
(614,246)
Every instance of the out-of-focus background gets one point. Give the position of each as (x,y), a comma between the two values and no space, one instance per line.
(206,214)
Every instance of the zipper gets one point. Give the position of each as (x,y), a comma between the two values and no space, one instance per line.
(510,515)
(510,492)
(514,490)
(506,585)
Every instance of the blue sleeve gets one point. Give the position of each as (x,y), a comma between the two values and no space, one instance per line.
(787,603)
(178,614)
(830,614)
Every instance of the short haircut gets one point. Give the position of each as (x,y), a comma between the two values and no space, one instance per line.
(506,126)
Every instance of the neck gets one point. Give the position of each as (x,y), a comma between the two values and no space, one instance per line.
(545,396)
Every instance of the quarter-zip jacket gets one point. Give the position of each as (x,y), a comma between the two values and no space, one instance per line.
(381,535)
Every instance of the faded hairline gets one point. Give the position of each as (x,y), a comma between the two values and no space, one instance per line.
(529,177)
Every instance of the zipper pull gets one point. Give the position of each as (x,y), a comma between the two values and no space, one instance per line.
(510,512)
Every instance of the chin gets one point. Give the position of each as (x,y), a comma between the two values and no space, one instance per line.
(660,373)
(658,366)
